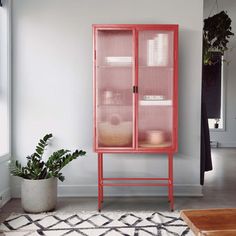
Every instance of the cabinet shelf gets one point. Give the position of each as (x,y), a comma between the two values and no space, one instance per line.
(156,67)
(114,105)
(131,66)
(150,145)
(115,66)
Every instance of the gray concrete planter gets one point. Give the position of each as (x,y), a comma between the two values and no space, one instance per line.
(39,195)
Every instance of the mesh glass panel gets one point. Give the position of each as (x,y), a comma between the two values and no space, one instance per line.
(114,81)
(155,110)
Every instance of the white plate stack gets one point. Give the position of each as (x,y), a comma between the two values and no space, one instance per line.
(118,61)
(157,50)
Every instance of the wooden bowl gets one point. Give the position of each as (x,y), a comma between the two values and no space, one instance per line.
(115,135)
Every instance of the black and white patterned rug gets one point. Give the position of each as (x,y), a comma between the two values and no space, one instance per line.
(95,224)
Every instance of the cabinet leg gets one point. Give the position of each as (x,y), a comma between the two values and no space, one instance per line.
(102,177)
(170,177)
(100,187)
(169,192)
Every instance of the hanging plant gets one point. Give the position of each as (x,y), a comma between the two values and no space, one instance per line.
(216,34)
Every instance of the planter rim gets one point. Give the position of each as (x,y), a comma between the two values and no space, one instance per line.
(31,180)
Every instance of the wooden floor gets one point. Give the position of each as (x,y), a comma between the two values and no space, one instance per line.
(219,192)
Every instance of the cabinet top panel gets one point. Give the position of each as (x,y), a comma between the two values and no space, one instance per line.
(136,26)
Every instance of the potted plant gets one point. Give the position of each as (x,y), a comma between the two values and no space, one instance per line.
(216,34)
(39,177)
(216,125)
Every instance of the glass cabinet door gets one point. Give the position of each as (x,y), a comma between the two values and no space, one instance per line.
(114,81)
(155,83)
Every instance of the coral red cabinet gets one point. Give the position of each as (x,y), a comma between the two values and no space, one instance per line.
(135,96)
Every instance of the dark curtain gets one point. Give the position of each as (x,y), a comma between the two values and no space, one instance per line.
(211,108)
(206,163)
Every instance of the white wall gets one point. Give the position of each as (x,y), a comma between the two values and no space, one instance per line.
(227,138)
(52,87)
(5,193)
(5,75)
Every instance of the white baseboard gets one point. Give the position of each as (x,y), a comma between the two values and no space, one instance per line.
(227,145)
(91,191)
(5,196)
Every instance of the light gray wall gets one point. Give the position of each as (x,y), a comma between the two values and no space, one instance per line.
(227,138)
(52,89)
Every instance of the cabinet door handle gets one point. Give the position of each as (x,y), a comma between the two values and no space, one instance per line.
(135,89)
